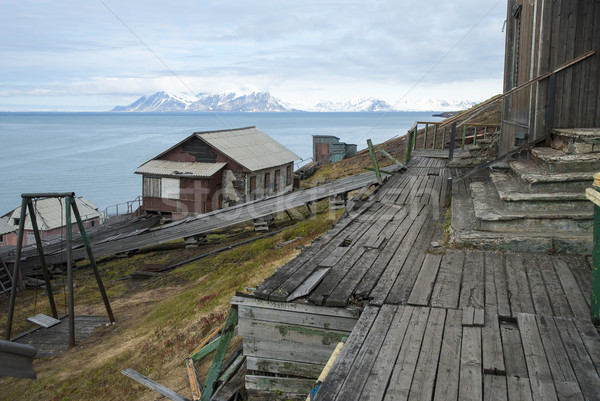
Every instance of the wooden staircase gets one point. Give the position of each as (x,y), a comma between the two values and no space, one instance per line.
(536,204)
(5,278)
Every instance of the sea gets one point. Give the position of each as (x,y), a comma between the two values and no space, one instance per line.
(95,154)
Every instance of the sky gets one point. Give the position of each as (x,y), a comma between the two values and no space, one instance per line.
(73,55)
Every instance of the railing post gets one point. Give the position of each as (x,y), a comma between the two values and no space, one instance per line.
(374,160)
(425,136)
(414,139)
(444,137)
(434,135)
(475,135)
(593,194)
(452,139)
(462,147)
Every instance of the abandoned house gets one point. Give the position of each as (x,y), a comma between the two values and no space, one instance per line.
(50,216)
(215,169)
(8,233)
(329,149)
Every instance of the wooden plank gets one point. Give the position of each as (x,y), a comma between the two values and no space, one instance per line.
(493,356)
(289,333)
(590,339)
(468,315)
(339,323)
(563,376)
(366,357)
(307,286)
(587,376)
(446,387)
(228,390)
(495,265)
(338,373)
(518,287)
(512,347)
(519,389)
(446,291)
(583,275)
(381,371)
(575,297)
(151,384)
(287,351)
(540,377)
(471,385)
(406,363)
(307,370)
(43,320)
(556,294)
(422,385)
(541,301)
(349,312)
(421,291)
(471,293)
(279,384)
(494,388)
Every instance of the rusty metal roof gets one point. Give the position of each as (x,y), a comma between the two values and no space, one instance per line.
(50,213)
(249,147)
(168,168)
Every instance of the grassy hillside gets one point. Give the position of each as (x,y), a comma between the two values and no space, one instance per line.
(159,320)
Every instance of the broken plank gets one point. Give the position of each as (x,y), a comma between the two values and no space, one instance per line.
(493,356)
(446,290)
(307,370)
(518,287)
(471,293)
(494,388)
(541,301)
(471,385)
(152,385)
(279,384)
(446,387)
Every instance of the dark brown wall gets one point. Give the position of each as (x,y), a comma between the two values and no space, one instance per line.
(547,35)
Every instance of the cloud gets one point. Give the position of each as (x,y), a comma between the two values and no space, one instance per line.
(71,48)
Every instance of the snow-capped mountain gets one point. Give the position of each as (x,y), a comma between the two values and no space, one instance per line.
(221,102)
(264,101)
(369,104)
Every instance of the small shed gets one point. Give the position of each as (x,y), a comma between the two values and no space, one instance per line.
(214,169)
(329,149)
(540,37)
(50,217)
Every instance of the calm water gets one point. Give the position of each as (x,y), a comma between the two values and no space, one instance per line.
(95,154)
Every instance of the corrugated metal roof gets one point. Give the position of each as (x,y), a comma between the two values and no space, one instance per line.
(249,147)
(179,169)
(50,213)
(5,227)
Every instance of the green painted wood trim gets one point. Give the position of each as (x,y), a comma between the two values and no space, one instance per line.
(215,367)
(374,160)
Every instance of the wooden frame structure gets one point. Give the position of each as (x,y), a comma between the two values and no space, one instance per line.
(70,205)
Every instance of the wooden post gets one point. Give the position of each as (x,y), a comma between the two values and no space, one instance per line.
(452,140)
(374,160)
(40,249)
(434,135)
(414,139)
(16,273)
(88,248)
(444,137)
(475,135)
(69,246)
(593,194)
(425,136)
(462,147)
(215,367)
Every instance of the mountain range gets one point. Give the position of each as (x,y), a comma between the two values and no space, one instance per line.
(265,102)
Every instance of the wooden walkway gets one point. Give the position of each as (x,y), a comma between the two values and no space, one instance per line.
(464,324)
(138,238)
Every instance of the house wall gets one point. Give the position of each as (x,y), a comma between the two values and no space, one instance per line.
(237,185)
(539,39)
(292,341)
(10,239)
(200,195)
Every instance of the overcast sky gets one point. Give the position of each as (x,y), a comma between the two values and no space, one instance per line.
(95,54)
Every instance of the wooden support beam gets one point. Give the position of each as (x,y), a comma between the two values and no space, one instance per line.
(593,194)
(374,160)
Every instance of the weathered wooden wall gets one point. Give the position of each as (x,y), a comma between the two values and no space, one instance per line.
(543,36)
(288,344)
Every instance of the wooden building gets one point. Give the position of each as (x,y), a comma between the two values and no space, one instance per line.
(329,149)
(50,216)
(214,169)
(541,36)
(8,233)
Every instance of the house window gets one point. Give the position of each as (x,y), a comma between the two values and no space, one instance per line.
(151,187)
(277,180)
(1,238)
(252,188)
(288,176)
(267,182)
(16,221)
(169,188)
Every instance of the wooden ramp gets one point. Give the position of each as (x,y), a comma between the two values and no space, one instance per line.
(205,223)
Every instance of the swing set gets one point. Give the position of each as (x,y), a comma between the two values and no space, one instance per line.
(27,205)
